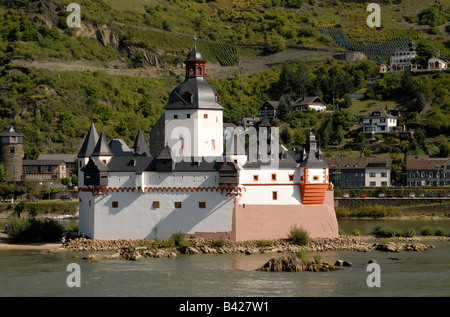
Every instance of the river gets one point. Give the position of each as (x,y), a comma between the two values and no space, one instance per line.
(404,274)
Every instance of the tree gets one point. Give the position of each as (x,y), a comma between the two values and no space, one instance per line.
(284,107)
(424,53)
(286,136)
(421,102)
(275,43)
(65,181)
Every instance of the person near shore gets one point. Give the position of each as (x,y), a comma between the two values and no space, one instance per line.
(63,241)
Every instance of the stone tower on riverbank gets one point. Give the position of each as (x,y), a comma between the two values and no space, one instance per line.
(11,145)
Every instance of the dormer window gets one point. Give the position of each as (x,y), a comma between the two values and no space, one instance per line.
(187,96)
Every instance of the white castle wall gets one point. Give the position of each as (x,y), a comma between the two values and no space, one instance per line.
(260,191)
(136,218)
(124,213)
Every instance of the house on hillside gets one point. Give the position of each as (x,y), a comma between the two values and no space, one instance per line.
(402,58)
(421,170)
(270,108)
(379,121)
(349,172)
(309,103)
(437,63)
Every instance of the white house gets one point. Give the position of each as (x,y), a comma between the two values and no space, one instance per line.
(196,187)
(379,121)
(437,63)
(402,58)
(309,103)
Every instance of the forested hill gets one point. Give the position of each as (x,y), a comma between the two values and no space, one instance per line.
(119,66)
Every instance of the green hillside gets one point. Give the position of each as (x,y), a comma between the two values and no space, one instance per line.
(118,68)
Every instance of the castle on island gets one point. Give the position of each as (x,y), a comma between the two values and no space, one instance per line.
(201,178)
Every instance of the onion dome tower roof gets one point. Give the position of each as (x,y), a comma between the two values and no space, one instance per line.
(195,92)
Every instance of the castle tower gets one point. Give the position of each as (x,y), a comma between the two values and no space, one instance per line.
(85,152)
(194,115)
(12,152)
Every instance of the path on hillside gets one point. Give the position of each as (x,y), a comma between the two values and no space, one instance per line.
(247,65)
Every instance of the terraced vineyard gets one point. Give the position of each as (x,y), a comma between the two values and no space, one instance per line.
(393,39)
(224,53)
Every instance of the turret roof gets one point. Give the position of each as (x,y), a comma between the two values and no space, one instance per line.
(89,143)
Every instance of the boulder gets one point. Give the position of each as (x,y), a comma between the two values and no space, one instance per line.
(91,258)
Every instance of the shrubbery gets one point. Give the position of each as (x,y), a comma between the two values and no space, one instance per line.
(31,230)
(299,235)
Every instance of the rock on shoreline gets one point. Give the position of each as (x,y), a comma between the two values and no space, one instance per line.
(140,249)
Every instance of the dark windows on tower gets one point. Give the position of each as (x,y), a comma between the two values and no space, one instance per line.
(187,96)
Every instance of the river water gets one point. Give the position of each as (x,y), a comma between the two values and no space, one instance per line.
(427,273)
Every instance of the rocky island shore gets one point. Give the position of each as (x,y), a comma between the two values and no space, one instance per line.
(140,249)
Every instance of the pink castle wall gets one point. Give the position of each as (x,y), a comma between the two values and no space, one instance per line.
(257,222)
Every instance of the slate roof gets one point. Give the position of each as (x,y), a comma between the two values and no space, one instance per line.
(424,162)
(9,131)
(353,163)
(89,143)
(102,147)
(306,101)
(140,146)
(204,96)
(383,114)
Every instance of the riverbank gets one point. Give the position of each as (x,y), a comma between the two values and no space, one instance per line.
(140,249)
(6,244)
(129,249)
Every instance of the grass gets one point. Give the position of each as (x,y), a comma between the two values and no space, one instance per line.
(299,235)
(388,232)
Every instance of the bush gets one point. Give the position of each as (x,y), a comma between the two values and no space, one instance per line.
(302,255)
(427,231)
(384,231)
(178,238)
(299,236)
(410,232)
(31,230)
(439,232)
(51,231)
(357,232)
(219,242)
(265,243)
(14,228)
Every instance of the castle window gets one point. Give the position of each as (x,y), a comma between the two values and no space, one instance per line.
(12,150)
(201,204)
(315,178)
(155,204)
(115,204)
(188,116)
(274,177)
(291,178)
(205,116)
(255,178)
(175,116)
(213,144)
(177,204)
(274,195)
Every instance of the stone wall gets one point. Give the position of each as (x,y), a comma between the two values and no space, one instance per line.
(354,203)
